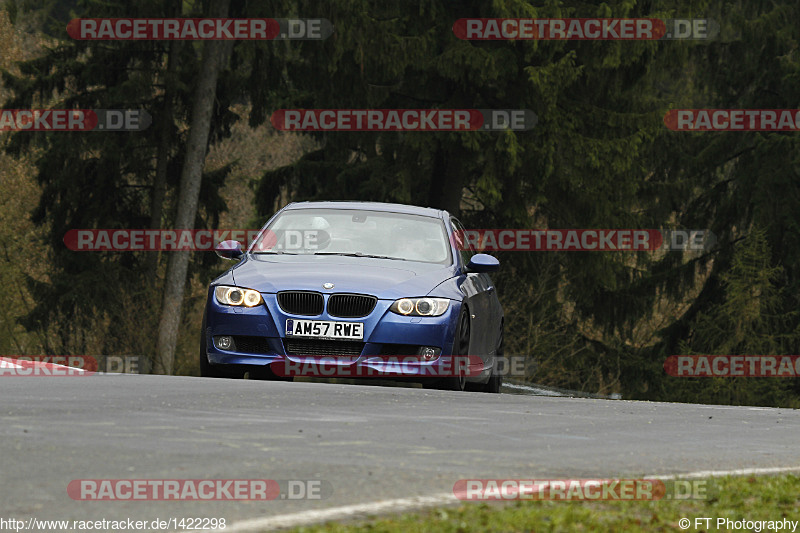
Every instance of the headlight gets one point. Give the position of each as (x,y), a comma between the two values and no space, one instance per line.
(420,306)
(227,295)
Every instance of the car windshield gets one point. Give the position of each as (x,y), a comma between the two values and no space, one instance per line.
(352,232)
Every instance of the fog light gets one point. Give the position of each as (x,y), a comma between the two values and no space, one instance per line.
(428,353)
(224,342)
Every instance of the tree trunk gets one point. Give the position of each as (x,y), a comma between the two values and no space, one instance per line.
(163,151)
(446,182)
(214,57)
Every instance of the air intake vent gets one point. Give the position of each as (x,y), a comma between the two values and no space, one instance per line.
(322,347)
(351,305)
(301,302)
(400,349)
(248,344)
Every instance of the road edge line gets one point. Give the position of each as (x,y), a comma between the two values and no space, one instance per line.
(338,513)
(399,505)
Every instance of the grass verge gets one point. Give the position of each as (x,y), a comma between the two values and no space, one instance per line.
(762,498)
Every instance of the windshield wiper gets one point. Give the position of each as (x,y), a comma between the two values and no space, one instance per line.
(359,254)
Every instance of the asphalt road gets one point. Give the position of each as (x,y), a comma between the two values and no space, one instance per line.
(366,443)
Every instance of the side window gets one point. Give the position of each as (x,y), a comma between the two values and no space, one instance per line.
(459,237)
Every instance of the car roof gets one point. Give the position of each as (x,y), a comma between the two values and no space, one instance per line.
(370,206)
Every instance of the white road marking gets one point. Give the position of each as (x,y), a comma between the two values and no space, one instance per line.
(535,390)
(738,472)
(340,513)
(443,498)
(9,363)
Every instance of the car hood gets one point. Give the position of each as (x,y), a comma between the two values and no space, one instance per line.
(386,279)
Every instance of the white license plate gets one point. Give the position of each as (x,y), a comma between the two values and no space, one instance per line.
(323,329)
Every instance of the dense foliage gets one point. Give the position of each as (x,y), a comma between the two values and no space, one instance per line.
(599,157)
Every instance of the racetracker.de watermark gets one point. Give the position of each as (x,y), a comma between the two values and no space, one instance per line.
(67,365)
(582,489)
(47,366)
(584,29)
(733,119)
(310,240)
(397,366)
(199,29)
(165,240)
(574,240)
(403,119)
(198,489)
(74,120)
(731,366)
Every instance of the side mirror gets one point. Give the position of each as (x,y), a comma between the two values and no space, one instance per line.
(483,263)
(229,250)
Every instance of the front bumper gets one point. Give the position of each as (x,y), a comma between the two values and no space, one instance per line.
(389,338)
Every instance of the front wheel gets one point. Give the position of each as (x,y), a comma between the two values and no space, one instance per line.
(496,379)
(461,350)
(265,373)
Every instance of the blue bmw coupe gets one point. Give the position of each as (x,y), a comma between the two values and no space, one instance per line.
(356,284)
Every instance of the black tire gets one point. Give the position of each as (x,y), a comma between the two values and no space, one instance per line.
(460,348)
(265,373)
(495,380)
